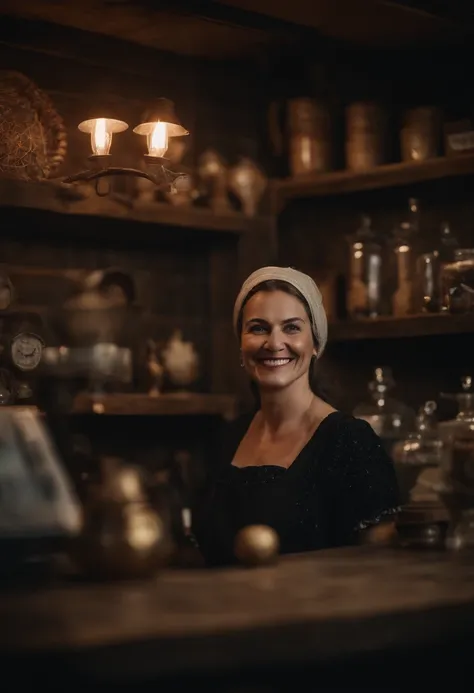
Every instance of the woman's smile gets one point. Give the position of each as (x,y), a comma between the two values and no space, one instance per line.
(273,361)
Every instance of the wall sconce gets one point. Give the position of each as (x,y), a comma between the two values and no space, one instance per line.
(160,124)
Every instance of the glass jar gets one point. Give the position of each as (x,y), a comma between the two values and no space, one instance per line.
(364,295)
(465,402)
(458,282)
(426,290)
(405,246)
(391,419)
(457,478)
(418,459)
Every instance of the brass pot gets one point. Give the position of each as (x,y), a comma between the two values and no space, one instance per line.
(122,535)
(121,540)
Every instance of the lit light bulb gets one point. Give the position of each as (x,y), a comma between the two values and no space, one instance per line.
(157,133)
(157,139)
(101,138)
(101,131)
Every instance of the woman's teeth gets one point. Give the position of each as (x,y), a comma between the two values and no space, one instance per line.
(273,363)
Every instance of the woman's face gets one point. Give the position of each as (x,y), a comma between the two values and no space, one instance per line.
(277,341)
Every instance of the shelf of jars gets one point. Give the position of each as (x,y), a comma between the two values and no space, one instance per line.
(385,176)
(412,282)
(421,325)
(53,197)
(431,455)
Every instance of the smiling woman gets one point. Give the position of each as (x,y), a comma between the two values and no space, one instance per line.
(314,474)
(291,338)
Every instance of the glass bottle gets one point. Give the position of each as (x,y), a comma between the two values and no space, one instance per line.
(413,216)
(448,244)
(364,296)
(426,287)
(458,471)
(465,402)
(458,282)
(419,458)
(402,299)
(413,265)
(391,419)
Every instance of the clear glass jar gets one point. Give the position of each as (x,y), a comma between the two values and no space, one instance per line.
(458,282)
(419,458)
(457,478)
(465,401)
(364,294)
(391,419)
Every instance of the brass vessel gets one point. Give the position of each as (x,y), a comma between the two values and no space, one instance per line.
(122,536)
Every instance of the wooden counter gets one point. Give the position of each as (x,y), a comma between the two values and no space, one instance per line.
(310,610)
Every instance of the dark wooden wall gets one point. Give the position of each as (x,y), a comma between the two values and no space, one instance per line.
(224,105)
(86,74)
(184,278)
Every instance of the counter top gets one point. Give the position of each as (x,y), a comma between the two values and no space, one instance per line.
(311,607)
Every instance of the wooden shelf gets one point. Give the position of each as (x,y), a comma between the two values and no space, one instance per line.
(390,175)
(53,197)
(168,404)
(399,328)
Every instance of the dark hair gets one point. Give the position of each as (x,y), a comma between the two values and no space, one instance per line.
(315,381)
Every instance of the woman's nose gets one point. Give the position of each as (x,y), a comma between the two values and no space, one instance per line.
(274,341)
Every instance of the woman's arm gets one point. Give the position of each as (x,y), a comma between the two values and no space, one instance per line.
(364,489)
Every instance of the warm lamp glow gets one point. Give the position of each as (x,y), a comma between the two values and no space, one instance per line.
(101,138)
(101,131)
(157,140)
(160,122)
(157,135)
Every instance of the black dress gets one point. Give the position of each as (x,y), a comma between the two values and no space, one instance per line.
(341,482)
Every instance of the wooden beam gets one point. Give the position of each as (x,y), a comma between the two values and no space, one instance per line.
(458,12)
(215,11)
(87,48)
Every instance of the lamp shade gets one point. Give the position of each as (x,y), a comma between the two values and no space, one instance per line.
(161,111)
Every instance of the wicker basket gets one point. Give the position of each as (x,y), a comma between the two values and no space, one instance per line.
(33,140)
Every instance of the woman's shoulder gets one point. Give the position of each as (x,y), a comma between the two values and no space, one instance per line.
(339,423)
(350,441)
(360,478)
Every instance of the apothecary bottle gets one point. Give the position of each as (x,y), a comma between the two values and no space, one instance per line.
(458,282)
(458,470)
(390,418)
(364,294)
(419,459)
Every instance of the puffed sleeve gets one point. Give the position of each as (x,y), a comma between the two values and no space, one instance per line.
(363,486)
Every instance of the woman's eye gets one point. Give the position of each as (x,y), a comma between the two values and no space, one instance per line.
(292,328)
(256,329)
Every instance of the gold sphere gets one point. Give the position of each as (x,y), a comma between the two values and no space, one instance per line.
(256,545)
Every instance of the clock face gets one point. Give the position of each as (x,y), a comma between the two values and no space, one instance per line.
(26,351)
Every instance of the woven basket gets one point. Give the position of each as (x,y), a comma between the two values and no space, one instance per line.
(33,140)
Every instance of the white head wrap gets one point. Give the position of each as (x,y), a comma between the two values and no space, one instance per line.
(303,283)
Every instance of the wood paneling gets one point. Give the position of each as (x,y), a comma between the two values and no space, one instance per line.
(367,22)
(85,74)
(169,26)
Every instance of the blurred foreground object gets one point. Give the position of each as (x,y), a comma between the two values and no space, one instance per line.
(382,534)
(257,545)
(123,537)
(37,499)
